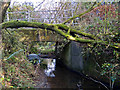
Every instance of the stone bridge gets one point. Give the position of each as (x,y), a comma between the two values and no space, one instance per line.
(41,35)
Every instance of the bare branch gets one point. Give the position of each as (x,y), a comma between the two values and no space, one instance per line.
(90,9)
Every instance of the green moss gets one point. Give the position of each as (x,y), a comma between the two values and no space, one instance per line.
(47,51)
(65,27)
(57,28)
(91,8)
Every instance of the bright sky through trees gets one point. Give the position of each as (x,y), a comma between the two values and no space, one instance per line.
(46,3)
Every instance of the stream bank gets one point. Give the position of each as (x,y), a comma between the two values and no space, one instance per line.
(64,78)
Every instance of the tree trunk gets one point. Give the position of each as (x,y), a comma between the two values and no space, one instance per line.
(4,4)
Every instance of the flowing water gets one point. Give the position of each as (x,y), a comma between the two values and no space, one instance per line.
(65,78)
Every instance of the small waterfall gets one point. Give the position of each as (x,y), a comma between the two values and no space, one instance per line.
(50,68)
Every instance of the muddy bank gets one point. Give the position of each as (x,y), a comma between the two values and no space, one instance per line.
(40,80)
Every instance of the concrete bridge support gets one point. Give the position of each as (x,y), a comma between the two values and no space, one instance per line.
(72,58)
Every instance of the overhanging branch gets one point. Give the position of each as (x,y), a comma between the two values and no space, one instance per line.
(65,27)
(57,28)
(17,24)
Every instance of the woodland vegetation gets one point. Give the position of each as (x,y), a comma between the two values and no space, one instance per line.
(98,28)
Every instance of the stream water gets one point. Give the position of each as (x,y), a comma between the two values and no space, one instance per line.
(65,78)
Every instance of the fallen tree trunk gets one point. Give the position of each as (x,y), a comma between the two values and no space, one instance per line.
(57,28)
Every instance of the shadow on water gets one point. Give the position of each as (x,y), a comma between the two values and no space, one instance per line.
(65,78)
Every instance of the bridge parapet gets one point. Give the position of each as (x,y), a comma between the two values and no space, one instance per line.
(41,35)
